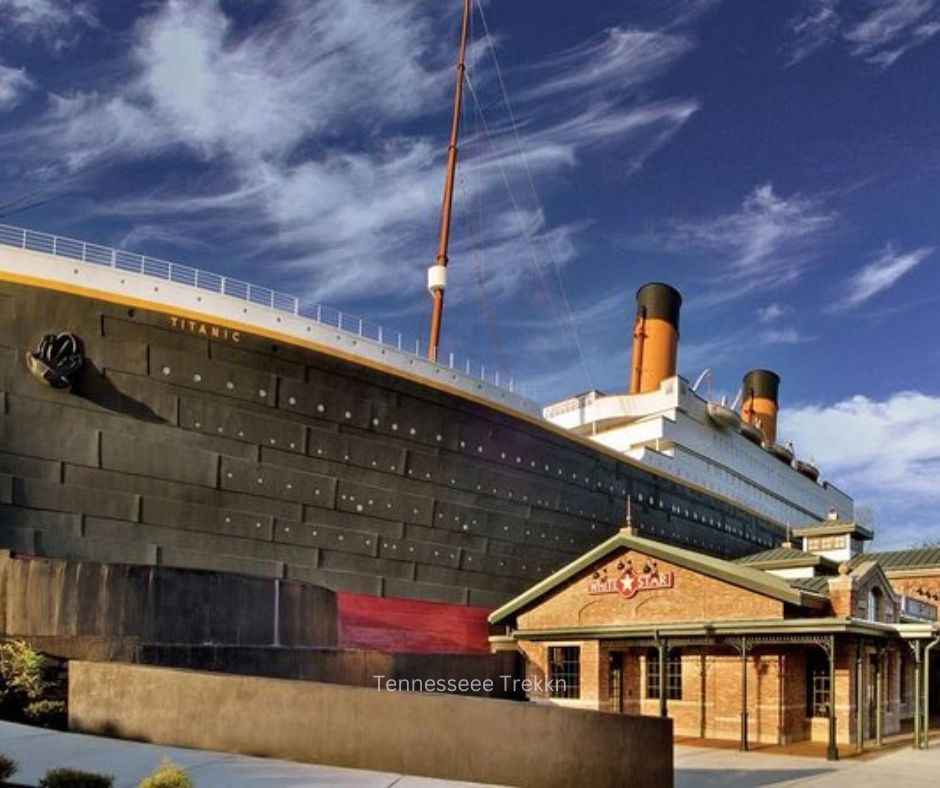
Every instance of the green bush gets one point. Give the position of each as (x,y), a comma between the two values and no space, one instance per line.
(46,713)
(21,670)
(8,768)
(167,775)
(73,778)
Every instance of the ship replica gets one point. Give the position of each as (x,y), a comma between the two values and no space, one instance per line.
(156,414)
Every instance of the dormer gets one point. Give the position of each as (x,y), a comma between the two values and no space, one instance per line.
(835,539)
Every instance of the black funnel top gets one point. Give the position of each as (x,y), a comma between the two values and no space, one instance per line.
(658,300)
(762,383)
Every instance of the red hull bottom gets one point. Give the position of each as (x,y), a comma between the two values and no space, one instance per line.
(406,625)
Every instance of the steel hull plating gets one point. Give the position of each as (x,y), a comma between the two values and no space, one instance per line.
(188,444)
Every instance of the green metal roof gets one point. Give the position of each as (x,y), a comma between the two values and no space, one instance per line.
(918,558)
(737,574)
(815,585)
(783,557)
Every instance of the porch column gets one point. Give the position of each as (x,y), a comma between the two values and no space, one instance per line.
(918,719)
(859,698)
(663,648)
(926,725)
(832,751)
(879,696)
(744,693)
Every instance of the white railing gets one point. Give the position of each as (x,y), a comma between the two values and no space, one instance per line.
(85,252)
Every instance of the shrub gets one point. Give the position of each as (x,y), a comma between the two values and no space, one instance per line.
(167,775)
(21,670)
(46,713)
(73,778)
(8,768)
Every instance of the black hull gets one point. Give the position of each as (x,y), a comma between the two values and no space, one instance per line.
(274,460)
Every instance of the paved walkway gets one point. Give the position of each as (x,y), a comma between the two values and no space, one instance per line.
(702,767)
(37,750)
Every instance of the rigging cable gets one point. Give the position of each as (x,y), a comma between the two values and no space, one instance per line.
(527,236)
(525,165)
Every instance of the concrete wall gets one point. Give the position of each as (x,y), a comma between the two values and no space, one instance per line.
(50,598)
(474,739)
(353,667)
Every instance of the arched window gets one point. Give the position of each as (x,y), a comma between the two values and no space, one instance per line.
(875,605)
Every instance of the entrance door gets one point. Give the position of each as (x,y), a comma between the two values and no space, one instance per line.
(615,682)
(872,697)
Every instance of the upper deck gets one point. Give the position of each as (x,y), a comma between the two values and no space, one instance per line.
(180,290)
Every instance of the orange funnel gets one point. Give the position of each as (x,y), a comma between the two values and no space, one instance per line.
(761,391)
(655,336)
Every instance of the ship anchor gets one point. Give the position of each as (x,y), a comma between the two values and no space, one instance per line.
(56,360)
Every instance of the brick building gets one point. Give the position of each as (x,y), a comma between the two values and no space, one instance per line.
(823,643)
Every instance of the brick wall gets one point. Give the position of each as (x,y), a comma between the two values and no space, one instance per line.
(693,597)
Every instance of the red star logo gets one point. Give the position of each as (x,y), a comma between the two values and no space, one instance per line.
(627,584)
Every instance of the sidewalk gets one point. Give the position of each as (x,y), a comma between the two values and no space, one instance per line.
(700,767)
(37,750)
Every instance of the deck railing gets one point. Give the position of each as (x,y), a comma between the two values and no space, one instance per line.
(72,249)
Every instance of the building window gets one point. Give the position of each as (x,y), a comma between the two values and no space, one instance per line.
(825,543)
(564,671)
(818,688)
(875,605)
(673,674)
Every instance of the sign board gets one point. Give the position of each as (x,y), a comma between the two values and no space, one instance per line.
(629,581)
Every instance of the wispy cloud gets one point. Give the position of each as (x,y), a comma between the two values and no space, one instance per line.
(878,32)
(14,83)
(881,274)
(772,312)
(816,25)
(296,135)
(764,244)
(892,28)
(621,59)
(55,21)
(784,336)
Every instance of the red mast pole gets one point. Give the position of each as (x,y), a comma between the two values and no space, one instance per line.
(437,273)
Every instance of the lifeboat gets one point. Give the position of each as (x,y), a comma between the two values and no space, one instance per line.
(782,453)
(724,416)
(752,433)
(809,470)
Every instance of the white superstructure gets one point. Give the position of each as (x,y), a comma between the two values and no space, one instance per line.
(670,429)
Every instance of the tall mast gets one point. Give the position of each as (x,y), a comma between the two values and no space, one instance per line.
(437,273)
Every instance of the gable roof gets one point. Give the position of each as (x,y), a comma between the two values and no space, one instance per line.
(737,574)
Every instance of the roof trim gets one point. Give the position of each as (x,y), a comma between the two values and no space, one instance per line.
(835,528)
(789,626)
(736,574)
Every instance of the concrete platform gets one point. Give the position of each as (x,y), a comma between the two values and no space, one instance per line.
(37,750)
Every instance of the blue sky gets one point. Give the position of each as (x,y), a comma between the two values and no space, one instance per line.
(778,162)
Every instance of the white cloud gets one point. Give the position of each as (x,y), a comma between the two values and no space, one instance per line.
(881,274)
(892,28)
(621,59)
(885,452)
(772,312)
(878,32)
(14,83)
(814,27)
(784,336)
(299,142)
(764,244)
(55,21)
